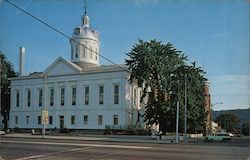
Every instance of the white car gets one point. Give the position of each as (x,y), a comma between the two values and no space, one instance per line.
(230,134)
(218,137)
(2,133)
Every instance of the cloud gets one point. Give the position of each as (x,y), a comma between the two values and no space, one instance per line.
(224,34)
(231,84)
(143,3)
(232,90)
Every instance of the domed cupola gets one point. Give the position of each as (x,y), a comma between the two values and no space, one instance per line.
(85,20)
(85,44)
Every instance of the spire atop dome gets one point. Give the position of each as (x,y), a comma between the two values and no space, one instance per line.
(85,7)
(85,18)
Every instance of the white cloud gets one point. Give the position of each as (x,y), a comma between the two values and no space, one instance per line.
(224,34)
(232,90)
(231,84)
(143,3)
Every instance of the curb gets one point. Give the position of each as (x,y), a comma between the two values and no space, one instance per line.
(92,138)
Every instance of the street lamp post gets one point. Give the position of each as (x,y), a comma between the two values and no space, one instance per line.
(177,123)
(185,110)
(44,105)
(0,91)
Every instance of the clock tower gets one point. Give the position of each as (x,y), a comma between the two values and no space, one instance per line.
(85,44)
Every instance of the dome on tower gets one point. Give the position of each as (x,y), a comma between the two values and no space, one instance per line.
(85,45)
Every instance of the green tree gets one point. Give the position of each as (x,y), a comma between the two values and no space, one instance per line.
(228,121)
(7,71)
(193,76)
(163,68)
(246,129)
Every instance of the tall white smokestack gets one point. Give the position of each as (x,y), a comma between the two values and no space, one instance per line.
(21,61)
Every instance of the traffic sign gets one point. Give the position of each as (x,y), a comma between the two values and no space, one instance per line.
(45,117)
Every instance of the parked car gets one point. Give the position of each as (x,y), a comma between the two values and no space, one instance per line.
(231,134)
(218,137)
(2,132)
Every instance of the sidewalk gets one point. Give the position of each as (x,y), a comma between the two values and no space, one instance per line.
(105,138)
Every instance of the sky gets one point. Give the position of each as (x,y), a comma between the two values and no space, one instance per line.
(214,33)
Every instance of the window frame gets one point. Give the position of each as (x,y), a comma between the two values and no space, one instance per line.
(28,97)
(62,96)
(73,98)
(27,120)
(116,93)
(39,119)
(86,95)
(85,119)
(16,120)
(51,96)
(17,98)
(72,119)
(100,119)
(101,94)
(40,97)
(116,119)
(50,119)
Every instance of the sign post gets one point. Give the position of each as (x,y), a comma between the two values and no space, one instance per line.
(45,120)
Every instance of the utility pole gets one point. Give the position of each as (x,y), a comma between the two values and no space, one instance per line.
(177,114)
(44,107)
(0,89)
(185,110)
(177,123)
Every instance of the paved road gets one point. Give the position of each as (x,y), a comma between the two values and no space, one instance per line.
(30,148)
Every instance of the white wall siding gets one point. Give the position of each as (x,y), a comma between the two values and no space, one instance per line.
(108,109)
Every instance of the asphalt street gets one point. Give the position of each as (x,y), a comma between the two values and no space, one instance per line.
(37,148)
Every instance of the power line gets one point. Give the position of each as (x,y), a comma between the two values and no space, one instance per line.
(65,35)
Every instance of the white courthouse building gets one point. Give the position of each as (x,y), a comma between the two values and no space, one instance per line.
(78,94)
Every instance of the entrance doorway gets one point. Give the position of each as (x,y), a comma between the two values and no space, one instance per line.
(61,121)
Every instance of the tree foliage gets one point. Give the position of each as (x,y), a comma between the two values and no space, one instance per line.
(228,121)
(163,68)
(7,71)
(246,129)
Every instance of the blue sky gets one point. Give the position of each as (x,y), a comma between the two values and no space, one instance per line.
(213,33)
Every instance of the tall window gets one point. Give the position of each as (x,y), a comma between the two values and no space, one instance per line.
(17,98)
(135,97)
(83,49)
(40,97)
(101,91)
(73,96)
(96,52)
(85,119)
(16,120)
(39,120)
(86,95)
(116,94)
(27,120)
(62,96)
(50,120)
(86,50)
(90,53)
(115,119)
(77,51)
(28,97)
(51,99)
(73,119)
(100,119)
(72,51)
